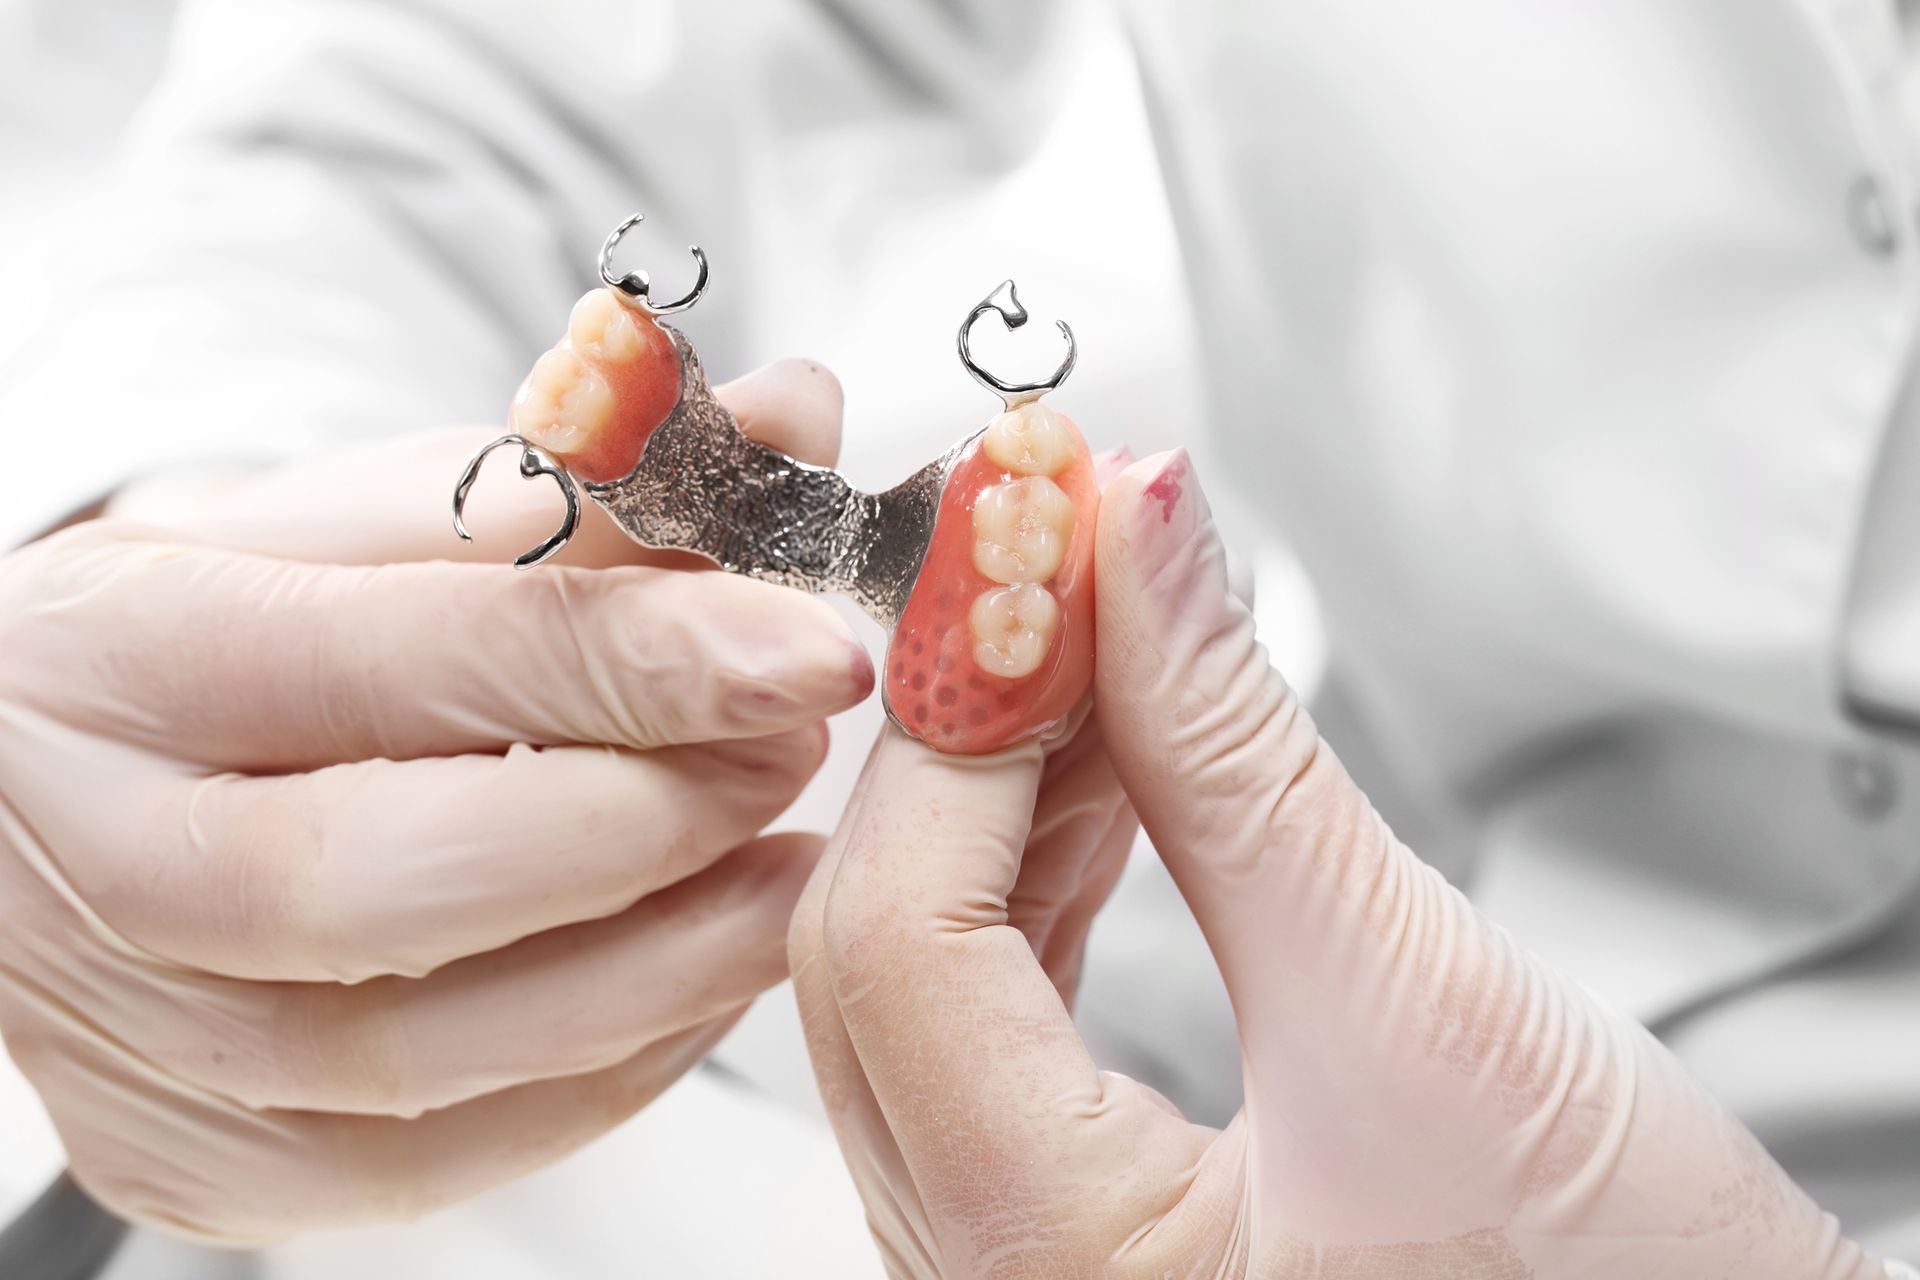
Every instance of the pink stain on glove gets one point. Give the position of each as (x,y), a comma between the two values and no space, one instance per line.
(1165,487)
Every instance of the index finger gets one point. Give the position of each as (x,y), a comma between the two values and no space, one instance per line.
(241,662)
(962,1036)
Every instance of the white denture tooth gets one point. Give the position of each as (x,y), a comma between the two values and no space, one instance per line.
(563,403)
(1021,530)
(602,329)
(1013,628)
(1031,440)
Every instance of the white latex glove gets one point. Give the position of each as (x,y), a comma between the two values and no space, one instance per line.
(336,882)
(1422,1098)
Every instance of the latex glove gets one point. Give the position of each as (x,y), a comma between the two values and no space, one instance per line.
(336,884)
(1422,1098)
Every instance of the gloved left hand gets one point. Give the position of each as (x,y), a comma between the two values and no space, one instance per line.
(336,884)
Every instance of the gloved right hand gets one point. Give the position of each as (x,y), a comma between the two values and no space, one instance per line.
(336,884)
(1424,1101)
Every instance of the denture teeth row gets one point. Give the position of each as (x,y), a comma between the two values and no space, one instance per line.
(565,403)
(1021,531)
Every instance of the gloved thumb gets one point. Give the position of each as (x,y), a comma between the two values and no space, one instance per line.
(1412,1075)
(1263,831)
(1324,927)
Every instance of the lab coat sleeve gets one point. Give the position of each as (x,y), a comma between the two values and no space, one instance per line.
(338,219)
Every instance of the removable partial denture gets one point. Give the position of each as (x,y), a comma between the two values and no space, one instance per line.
(996,641)
(595,397)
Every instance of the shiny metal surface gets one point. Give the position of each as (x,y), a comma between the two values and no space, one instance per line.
(534,463)
(1014,316)
(703,486)
(635,288)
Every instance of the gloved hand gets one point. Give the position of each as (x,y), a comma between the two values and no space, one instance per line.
(1422,1098)
(336,883)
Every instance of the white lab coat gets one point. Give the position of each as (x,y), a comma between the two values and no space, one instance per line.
(1570,345)
(1566,345)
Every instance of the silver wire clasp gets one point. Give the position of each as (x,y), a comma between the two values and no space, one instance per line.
(1014,316)
(635,287)
(534,463)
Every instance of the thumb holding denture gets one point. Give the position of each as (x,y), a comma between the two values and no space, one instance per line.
(1221,760)
(1412,1075)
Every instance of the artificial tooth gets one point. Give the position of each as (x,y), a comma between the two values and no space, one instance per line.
(1031,440)
(563,405)
(600,328)
(1021,530)
(1013,628)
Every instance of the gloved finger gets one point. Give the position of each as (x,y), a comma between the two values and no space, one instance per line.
(198,1165)
(872,1157)
(793,405)
(387,867)
(855,1115)
(389,503)
(241,662)
(1076,850)
(1083,829)
(960,1033)
(564,1002)
(1271,844)
(1065,881)
(1371,998)
(1062,949)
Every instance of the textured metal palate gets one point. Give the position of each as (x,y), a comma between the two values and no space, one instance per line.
(701,485)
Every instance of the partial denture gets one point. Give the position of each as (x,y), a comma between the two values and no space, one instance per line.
(980,564)
(996,641)
(595,397)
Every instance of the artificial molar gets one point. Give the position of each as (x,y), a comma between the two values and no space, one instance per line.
(563,406)
(1021,529)
(1031,440)
(1013,628)
(593,399)
(603,328)
(995,643)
